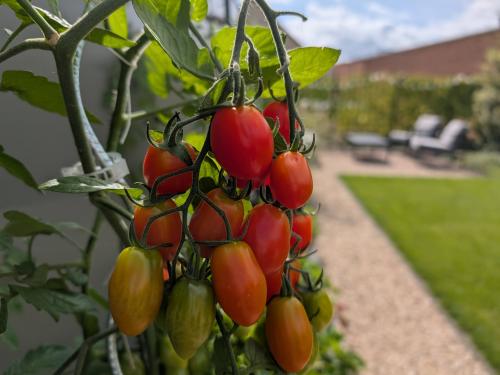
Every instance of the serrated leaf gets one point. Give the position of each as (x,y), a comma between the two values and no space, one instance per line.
(55,302)
(4,315)
(39,276)
(307,65)
(173,37)
(118,22)
(258,356)
(42,360)
(76,276)
(84,185)
(17,169)
(9,338)
(222,44)
(37,91)
(6,241)
(22,225)
(199,10)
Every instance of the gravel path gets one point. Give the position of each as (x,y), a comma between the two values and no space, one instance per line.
(394,323)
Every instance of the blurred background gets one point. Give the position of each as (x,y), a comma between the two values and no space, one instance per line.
(407,167)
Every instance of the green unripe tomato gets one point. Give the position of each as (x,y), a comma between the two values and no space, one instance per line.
(132,365)
(190,315)
(170,359)
(201,362)
(319,308)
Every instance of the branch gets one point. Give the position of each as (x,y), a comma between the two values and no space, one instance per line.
(227,340)
(240,33)
(271,17)
(204,43)
(127,68)
(50,33)
(37,43)
(71,37)
(12,36)
(140,115)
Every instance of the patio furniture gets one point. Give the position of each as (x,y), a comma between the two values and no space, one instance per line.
(364,141)
(452,137)
(426,125)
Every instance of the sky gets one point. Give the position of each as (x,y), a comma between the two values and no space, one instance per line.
(364,28)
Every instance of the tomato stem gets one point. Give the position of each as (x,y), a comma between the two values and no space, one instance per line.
(226,335)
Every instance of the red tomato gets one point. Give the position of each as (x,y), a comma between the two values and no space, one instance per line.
(167,229)
(295,275)
(289,333)
(268,235)
(291,180)
(239,283)
(279,111)
(207,225)
(159,162)
(303,226)
(242,142)
(274,283)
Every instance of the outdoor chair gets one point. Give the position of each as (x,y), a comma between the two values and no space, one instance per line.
(426,125)
(367,141)
(452,136)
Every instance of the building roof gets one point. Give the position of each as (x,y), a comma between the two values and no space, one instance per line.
(453,57)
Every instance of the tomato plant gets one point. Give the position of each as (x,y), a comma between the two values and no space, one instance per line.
(268,234)
(289,333)
(136,289)
(207,225)
(192,263)
(190,315)
(159,162)
(291,179)
(164,233)
(234,133)
(303,226)
(278,111)
(239,283)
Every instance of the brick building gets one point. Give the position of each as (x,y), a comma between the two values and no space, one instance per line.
(459,56)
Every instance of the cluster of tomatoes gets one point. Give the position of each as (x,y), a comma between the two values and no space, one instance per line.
(251,259)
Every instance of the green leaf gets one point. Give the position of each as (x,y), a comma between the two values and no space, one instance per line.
(4,314)
(37,91)
(222,44)
(55,302)
(199,10)
(101,301)
(259,357)
(174,38)
(42,360)
(85,184)
(118,22)
(22,225)
(6,241)
(307,65)
(39,276)
(18,10)
(9,338)
(17,169)
(25,268)
(75,276)
(221,359)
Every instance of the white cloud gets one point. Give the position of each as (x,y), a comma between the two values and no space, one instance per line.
(381,29)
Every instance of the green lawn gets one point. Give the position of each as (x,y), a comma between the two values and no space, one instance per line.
(449,230)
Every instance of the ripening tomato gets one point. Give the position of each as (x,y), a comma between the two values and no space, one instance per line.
(167,229)
(279,111)
(289,334)
(207,225)
(242,142)
(239,283)
(291,179)
(295,275)
(135,289)
(303,226)
(274,283)
(190,315)
(319,308)
(159,162)
(166,274)
(268,234)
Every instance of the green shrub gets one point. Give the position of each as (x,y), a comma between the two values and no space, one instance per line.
(381,103)
(487,101)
